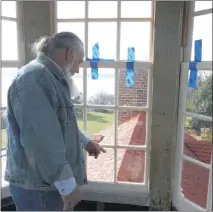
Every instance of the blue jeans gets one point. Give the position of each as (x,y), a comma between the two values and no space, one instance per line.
(31,200)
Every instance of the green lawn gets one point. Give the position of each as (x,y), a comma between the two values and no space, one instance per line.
(95,123)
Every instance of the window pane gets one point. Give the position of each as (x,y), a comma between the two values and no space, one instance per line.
(78,28)
(8,9)
(8,75)
(9,40)
(136,9)
(203,30)
(80,118)
(199,100)
(107,41)
(137,94)
(202,5)
(3,129)
(195,183)
(70,9)
(101,169)
(101,91)
(4,183)
(103,9)
(101,122)
(78,87)
(198,139)
(135,34)
(130,165)
(131,127)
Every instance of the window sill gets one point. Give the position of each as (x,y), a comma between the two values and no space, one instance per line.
(123,193)
(185,205)
(101,196)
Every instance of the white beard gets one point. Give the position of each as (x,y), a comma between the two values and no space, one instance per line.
(72,87)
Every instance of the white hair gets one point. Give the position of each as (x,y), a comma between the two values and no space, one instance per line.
(49,45)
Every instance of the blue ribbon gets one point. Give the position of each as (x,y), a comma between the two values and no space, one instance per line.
(130,67)
(94,61)
(93,64)
(192,65)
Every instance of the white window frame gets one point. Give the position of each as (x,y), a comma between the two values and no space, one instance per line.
(14,64)
(119,192)
(20,39)
(179,201)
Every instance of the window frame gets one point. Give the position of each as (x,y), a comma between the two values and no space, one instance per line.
(13,64)
(20,39)
(133,193)
(179,201)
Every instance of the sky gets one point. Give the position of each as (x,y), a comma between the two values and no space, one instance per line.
(133,34)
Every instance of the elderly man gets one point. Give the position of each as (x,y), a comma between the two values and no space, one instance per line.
(45,157)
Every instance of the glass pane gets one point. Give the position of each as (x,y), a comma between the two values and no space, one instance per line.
(203,30)
(78,87)
(137,94)
(136,9)
(78,28)
(101,169)
(70,9)
(130,165)
(202,5)
(102,90)
(9,40)
(199,100)
(103,9)
(8,75)
(8,9)
(80,118)
(3,168)
(3,129)
(198,139)
(131,128)
(107,41)
(101,122)
(135,34)
(195,183)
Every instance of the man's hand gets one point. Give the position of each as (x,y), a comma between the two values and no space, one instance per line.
(71,200)
(94,149)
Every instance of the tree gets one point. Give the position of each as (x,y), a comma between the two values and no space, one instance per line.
(201,102)
(102,98)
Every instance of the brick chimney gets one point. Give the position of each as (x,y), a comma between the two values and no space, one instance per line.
(134,96)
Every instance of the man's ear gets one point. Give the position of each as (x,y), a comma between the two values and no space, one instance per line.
(69,54)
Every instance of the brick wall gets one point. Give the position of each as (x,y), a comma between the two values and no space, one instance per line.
(134,96)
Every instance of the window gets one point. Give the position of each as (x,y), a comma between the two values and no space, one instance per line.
(106,106)
(202,5)
(200,31)
(11,60)
(194,170)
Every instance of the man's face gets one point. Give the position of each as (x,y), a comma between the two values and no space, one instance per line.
(73,62)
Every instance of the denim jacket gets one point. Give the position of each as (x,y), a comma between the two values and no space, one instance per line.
(44,142)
